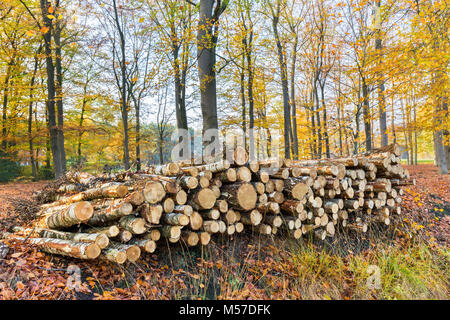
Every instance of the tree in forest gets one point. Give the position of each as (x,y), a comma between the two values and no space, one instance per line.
(51,29)
(207,38)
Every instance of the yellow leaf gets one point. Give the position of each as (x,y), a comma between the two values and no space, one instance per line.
(29,33)
(50,16)
(141,20)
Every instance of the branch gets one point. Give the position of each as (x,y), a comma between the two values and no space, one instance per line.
(192,3)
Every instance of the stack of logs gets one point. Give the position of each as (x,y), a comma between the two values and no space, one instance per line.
(116,217)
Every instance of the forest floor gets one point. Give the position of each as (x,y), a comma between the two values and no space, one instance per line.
(407,260)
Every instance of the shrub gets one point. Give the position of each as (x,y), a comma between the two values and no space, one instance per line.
(9,169)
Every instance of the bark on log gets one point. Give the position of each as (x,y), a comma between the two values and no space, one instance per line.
(112,213)
(75,214)
(68,248)
(133,224)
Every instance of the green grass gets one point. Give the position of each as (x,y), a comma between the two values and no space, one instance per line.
(293,270)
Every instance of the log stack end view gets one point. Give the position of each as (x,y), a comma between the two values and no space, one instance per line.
(117,217)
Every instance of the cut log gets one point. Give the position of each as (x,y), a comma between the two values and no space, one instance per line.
(151,212)
(154,192)
(216,191)
(222,226)
(295,188)
(168,205)
(170,186)
(259,187)
(262,176)
(98,238)
(135,198)
(239,227)
(231,229)
(244,174)
(195,221)
(292,207)
(133,252)
(75,214)
(253,217)
(228,175)
(112,213)
(114,255)
(240,156)
(230,217)
(124,236)
(145,245)
(203,199)
(204,182)
(253,165)
(269,186)
(110,231)
(331,207)
(210,226)
(215,166)
(153,234)
(279,184)
(109,191)
(221,205)
(240,195)
(212,214)
(273,220)
(205,238)
(276,196)
(262,199)
(133,224)
(269,207)
(171,231)
(68,248)
(180,197)
(188,182)
(190,238)
(170,169)
(175,219)
(351,204)
(282,173)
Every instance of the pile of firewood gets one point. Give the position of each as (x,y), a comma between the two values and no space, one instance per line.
(116,217)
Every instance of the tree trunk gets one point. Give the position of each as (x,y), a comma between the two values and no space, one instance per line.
(293,104)
(59,94)
(51,92)
(123,89)
(206,53)
(244,111)
(366,113)
(5,105)
(248,49)
(325,125)
(380,81)
(30,114)
(284,85)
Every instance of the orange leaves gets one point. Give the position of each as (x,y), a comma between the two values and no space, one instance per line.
(45,29)
(16,255)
